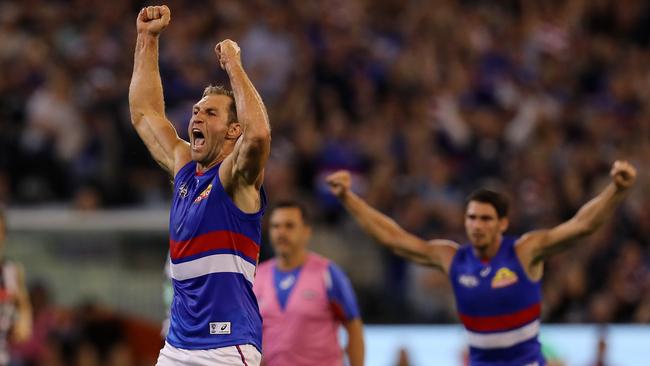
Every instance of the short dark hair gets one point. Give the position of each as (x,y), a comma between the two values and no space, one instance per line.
(294,204)
(220,90)
(498,200)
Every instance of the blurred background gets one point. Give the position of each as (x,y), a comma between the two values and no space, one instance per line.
(422,100)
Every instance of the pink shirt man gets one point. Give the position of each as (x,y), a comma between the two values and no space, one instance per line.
(302,310)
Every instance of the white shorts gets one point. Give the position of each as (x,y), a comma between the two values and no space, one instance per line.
(243,355)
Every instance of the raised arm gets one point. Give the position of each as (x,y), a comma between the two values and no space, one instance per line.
(535,246)
(146,95)
(435,253)
(247,161)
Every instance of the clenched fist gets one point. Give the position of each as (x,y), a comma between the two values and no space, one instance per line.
(153,19)
(623,174)
(228,53)
(339,183)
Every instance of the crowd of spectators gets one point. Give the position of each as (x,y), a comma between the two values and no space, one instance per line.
(88,334)
(422,100)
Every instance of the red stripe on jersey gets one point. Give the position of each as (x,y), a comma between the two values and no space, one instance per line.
(215,240)
(501,322)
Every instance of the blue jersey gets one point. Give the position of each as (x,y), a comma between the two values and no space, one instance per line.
(499,306)
(214,249)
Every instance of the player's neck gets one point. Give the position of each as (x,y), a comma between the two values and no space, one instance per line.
(202,168)
(223,153)
(488,252)
(289,262)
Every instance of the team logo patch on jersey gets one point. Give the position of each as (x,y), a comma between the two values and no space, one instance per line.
(203,194)
(468,280)
(220,328)
(504,277)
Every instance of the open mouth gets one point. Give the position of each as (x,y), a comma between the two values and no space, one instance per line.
(198,139)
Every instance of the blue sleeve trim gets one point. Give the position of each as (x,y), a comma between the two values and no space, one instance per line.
(341,294)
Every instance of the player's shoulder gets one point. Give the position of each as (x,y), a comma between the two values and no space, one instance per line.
(530,236)
(455,251)
(445,243)
(336,272)
(530,243)
(185,171)
(442,253)
(330,268)
(444,249)
(320,263)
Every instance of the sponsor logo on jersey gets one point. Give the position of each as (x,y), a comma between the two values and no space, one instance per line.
(203,194)
(468,280)
(485,271)
(504,277)
(182,190)
(220,328)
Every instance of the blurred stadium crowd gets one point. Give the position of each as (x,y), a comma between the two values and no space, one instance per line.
(422,100)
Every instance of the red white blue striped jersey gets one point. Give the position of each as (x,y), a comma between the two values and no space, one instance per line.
(499,306)
(214,250)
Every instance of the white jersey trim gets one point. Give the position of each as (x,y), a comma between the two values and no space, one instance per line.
(217,263)
(503,339)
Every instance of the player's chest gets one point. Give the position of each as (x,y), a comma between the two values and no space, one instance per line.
(483,281)
(190,201)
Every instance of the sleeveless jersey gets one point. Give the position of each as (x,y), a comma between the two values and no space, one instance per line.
(499,306)
(214,249)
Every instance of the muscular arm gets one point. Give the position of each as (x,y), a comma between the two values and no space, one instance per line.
(253,147)
(435,253)
(535,246)
(146,95)
(355,348)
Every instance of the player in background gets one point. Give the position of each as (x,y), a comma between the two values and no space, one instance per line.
(496,278)
(15,307)
(217,205)
(304,298)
